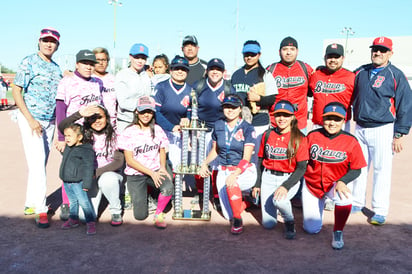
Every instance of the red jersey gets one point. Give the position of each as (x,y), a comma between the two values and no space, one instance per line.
(331,87)
(330,159)
(274,152)
(292,85)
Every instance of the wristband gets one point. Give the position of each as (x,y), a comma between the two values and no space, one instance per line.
(243,165)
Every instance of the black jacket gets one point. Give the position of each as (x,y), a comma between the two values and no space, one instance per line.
(78,165)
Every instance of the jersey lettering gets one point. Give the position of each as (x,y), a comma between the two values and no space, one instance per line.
(289,82)
(89,99)
(276,153)
(379,81)
(145,148)
(326,155)
(329,88)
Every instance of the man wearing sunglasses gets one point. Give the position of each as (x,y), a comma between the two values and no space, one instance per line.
(34,91)
(382,109)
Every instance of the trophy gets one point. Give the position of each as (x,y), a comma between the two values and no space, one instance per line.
(193,136)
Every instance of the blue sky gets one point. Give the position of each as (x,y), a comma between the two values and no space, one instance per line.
(161,25)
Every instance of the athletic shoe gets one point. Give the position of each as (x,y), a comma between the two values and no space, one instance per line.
(355,210)
(329,205)
(159,221)
(64,212)
(70,223)
(116,220)
(290,231)
(91,228)
(128,202)
(29,210)
(42,221)
(337,240)
(237,226)
(377,220)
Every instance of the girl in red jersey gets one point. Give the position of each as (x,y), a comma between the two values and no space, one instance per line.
(283,154)
(335,160)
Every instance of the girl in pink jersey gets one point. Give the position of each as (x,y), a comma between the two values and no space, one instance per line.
(283,156)
(109,160)
(145,144)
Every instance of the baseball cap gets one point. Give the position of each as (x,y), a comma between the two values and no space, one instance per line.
(232,100)
(288,41)
(179,62)
(145,102)
(85,55)
(382,42)
(253,48)
(216,62)
(190,39)
(334,109)
(284,106)
(139,49)
(334,49)
(49,32)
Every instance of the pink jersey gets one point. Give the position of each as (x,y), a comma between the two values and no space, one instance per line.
(145,149)
(103,157)
(76,92)
(109,96)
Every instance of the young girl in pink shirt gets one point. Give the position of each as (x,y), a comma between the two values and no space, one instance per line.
(145,144)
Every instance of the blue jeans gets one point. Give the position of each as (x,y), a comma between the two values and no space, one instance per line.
(77,196)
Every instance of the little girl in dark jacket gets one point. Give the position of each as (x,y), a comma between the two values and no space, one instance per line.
(77,171)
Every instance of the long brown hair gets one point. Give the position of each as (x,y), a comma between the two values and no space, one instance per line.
(295,138)
(151,123)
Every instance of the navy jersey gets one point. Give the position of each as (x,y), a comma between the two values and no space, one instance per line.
(383,98)
(210,103)
(171,104)
(243,134)
(242,82)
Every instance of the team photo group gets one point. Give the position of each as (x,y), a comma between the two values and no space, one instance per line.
(120,136)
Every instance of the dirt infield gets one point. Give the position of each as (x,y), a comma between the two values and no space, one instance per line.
(193,246)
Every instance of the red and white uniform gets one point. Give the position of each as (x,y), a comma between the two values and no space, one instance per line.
(292,85)
(330,159)
(331,87)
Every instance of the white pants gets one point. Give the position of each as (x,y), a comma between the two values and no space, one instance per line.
(175,148)
(37,150)
(109,185)
(246,181)
(270,206)
(376,144)
(313,207)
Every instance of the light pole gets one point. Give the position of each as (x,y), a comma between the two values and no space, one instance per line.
(115,3)
(347,31)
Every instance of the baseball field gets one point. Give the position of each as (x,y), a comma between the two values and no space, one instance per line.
(193,246)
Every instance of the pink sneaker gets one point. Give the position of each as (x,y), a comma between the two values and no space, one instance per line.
(91,228)
(159,221)
(70,223)
(42,220)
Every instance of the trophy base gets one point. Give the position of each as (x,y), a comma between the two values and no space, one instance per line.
(194,215)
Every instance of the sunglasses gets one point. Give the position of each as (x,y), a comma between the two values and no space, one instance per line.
(249,54)
(381,49)
(48,31)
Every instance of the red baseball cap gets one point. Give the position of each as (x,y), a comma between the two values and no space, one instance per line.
(382,42)
(50,32)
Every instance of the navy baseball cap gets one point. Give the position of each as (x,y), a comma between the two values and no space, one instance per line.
(284,106)
(232,100)
(334,49)
(139,48)
(190,39)
(216,62)
(334,109)
(179,62)
(86,55)
(289,41)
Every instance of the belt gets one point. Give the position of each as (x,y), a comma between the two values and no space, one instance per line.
(230,168)
(276,173)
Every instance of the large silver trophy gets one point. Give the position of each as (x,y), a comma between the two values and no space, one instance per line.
(194,136)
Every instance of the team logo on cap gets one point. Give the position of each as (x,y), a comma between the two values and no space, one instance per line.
(334,46)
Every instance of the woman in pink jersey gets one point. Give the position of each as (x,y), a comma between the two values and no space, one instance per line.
(109,160)
(283,156)
(74,92)
(145,145)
